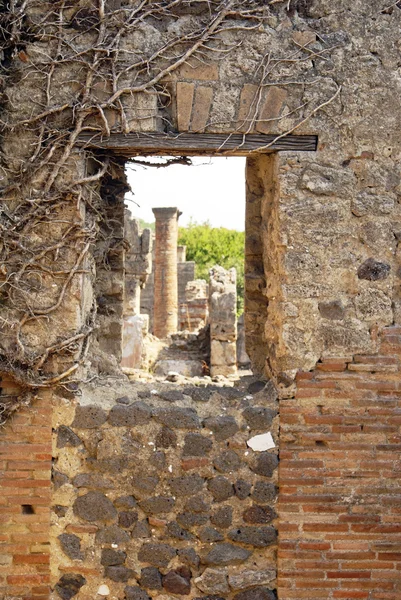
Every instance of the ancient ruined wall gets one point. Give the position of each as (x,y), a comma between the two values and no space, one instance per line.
(310,66)
(200,518)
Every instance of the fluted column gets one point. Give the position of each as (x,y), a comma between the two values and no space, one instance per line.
(165,287)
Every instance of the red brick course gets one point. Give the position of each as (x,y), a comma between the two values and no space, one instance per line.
(25,475)
(340,490)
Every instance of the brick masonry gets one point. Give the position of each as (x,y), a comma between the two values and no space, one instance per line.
(25,474)
(339,478)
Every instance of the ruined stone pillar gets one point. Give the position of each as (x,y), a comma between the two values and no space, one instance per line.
(223,321)
(165,286)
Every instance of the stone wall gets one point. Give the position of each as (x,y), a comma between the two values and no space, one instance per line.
(198,521)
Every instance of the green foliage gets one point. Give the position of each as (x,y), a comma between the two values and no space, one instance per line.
(209,246)
(144,225)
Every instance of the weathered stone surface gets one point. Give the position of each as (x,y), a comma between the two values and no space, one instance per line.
(196,445)
(201,108)
(220,488)
(197,504)
(111,558)
(127,519)
(166,438)
(250,578)
(175,531)
(213,581)
(69,585)
(373,270)
(71,546)
(119,574)
(59,479)
(222,517)
(172,395)
(141,530)
(189,519)
(186,485)
(326,181)
(242,489)
(133,592)
(260,537)
(187,368)
(94,506)
(138,413)
(158,460)
(158,505)
(189,556)
(209,534)
(333,310)
(151,578)
(60,510)
(259,417)
(367,202)
(259,514)
(178,581)
(225,554)
(223,427)
(125,502)
(91,480)
(123,400)
(227,462)
(199,394)
(66,437)
(112,535)
(145,483)
(265,464)
(89,417)
(178,418)
(157,555)
(260,593)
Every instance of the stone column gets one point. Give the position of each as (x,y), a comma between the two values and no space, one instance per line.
(223,321)
(165,286)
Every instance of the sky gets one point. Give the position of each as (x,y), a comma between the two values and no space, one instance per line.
(213,190)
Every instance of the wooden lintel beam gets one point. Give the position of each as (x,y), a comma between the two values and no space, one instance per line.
(190,144)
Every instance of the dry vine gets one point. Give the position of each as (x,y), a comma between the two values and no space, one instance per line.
(73,66)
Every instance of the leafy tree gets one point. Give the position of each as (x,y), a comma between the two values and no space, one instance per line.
(209,246)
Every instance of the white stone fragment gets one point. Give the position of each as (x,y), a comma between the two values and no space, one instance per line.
(262,442)
(114,545)
(103,590)
(170,468)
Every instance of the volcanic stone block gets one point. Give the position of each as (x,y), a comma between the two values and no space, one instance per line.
(259,537)
(66,437)
(259,417)
(186,485)
(112,535)
(213,581)
(223,517)
(373,270)
(248,578)
(196,445)
(127,518)
(189,519)
(119,574)
(166,438)
(177,417)
(158,505)
(94,506)
(157,555)
(189,556)
(220,488)
(264,492)
(133,592)
(178,581)
(112,557)
(259,593)
(175,531)
(151,578)
(71,546)
(259,514)
(222,427)
(69,585)
(89,417)
(227,462)
(138,413)
(225,554)
(209,534)
(265,464)
(125,502)
(242,489)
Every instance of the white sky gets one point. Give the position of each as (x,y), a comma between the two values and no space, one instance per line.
(212,190)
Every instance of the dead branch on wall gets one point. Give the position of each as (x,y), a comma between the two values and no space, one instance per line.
(91,66)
